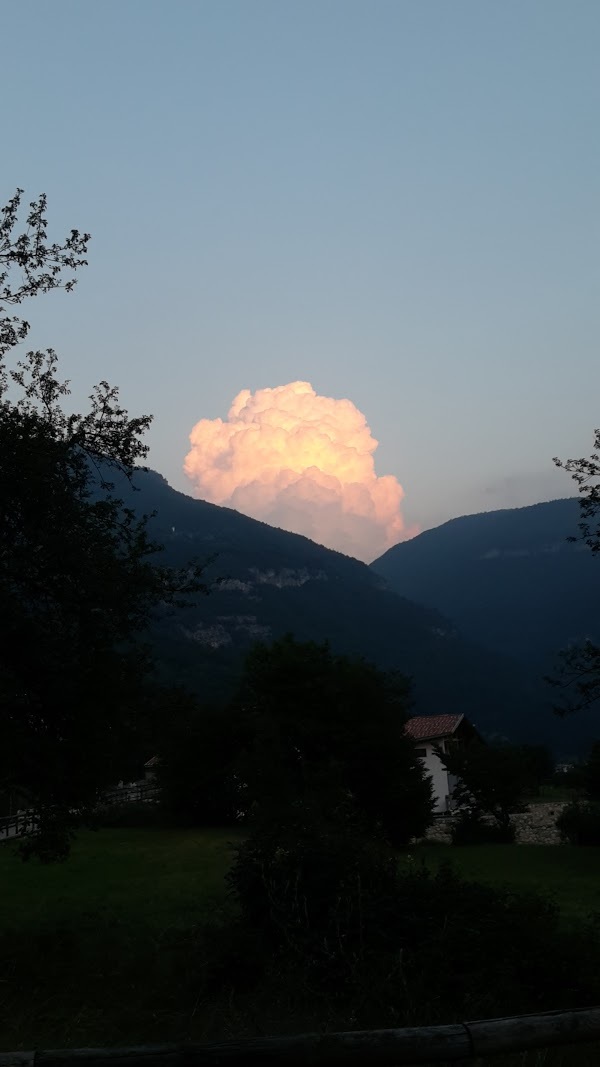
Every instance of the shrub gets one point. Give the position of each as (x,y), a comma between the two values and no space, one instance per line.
(469,830)
(579,823)
(132,815)
(492,781)
(346,925)
(197,773)
(303,882)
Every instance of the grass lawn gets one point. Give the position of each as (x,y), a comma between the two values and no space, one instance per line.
(105,948)
(110,947)
(569,876)
(554,794)
(162,877)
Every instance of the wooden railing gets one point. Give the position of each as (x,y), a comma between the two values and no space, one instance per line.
(359,1048)
(23,822)
(139,792)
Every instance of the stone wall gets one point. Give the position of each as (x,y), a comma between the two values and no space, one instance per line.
(536,826)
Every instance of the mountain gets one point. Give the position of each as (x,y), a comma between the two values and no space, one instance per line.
(273,582)
(509,580)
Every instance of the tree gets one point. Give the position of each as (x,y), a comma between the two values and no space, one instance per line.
(200,748)
(586,474)
(579,821)
(29,265)
(539,766)
(79,577)
(325,730)
(491,784)
(332,783)
(590,774)
(577,680)
(578,676)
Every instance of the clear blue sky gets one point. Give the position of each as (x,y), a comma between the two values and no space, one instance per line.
(397,201)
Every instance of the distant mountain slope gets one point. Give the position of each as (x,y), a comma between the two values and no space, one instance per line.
(277,581)
(509,579)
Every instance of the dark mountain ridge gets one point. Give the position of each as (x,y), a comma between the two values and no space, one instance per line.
(510,580)
(273,582)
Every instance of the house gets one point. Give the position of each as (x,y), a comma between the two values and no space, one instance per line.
(150,767)
(430,732)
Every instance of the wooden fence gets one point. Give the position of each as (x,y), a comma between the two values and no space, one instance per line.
(23,822)
(138,793)
(361,1048)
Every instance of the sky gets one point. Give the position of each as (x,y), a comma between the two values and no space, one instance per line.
(396,202)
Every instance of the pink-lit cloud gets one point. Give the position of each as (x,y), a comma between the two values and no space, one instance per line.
(300,461)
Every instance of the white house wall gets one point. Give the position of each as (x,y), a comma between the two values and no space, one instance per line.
(435,768)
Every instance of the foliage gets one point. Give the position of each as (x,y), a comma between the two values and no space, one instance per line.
(79,583)
(539,766)
(309,884)
(352,927)
(578,678)
(200,749)
(578,675)
(304,723)
(332,782)
(329,727)
(126,815)
(473,829)
(30,265)
(590,773)
(586,474)
(570,779)
(579,822)
(491,785)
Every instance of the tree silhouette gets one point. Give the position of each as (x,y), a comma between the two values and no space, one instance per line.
(578,677)
(79,576)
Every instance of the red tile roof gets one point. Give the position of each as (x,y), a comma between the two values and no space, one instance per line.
(426,727)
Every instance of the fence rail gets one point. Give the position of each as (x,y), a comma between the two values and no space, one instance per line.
(360,1048)
(23,822)
(132,794)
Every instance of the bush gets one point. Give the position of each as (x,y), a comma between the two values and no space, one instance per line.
(579,823)
(304,882)
(197,773)
(133,815)
(491,784)
(344,924)
(469,830)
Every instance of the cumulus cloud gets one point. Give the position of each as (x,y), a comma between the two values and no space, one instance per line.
(300,461)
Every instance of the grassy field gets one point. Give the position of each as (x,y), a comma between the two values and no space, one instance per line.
(105,949)
(109,948)
(162,877)
(554,794)
(568,876)
(172,878)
